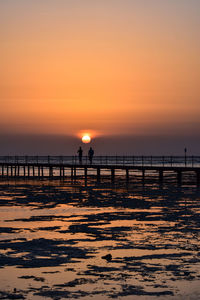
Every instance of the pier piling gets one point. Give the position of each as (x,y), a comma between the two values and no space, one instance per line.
(143,176)
(112,174)
(127,175)
(179,177)
(72,172)
(33,171)
(85,172)
(98,174)
(160,176)
(75,173)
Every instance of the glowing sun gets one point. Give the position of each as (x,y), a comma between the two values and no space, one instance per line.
(86,139)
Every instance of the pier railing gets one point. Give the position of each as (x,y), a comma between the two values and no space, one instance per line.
(146,161)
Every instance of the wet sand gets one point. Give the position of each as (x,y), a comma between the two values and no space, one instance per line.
(62,240)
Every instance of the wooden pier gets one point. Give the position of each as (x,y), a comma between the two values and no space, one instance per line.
(45,166)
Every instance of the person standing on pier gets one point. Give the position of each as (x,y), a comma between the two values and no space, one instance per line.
(80,155)
(90,154)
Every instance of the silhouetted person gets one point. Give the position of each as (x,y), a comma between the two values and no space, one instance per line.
(80,155)
(90,154)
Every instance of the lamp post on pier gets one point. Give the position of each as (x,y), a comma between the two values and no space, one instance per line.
(185,150)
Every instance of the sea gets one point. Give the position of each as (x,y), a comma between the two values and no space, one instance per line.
(78,239)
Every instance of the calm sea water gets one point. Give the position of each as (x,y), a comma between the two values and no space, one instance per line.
(55,236)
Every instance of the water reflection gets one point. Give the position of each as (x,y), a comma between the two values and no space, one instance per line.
(54,235)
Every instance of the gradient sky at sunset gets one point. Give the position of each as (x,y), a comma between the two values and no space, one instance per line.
(116,67)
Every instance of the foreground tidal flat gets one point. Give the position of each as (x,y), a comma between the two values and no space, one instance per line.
(54,234)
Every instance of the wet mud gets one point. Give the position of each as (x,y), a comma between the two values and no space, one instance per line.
(69,240)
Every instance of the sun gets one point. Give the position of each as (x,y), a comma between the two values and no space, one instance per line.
(86,139)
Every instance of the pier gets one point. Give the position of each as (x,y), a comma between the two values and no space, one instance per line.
(45,166)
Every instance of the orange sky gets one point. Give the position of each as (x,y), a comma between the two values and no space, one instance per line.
(114,67)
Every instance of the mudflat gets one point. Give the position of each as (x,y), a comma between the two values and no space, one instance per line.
(60,239)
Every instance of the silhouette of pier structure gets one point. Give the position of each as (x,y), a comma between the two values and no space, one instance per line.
(45,166)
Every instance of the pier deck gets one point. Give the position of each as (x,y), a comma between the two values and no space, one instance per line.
(34,166)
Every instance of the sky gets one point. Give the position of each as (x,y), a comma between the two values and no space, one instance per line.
(127,71)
